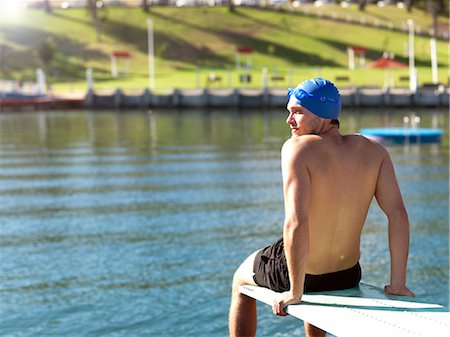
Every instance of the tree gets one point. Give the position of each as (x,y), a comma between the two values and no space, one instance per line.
(145,5)
(433,7)
(231,5)
(93,6)
(409,5)
(425,5)
(46,51)
(48,7)
(362,4)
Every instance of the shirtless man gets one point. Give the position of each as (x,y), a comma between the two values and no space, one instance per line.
(329,181)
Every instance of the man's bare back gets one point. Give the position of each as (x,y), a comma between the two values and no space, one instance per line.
(344,173)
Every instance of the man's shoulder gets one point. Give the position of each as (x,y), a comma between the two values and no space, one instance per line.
(357,137)
(362,140)
(302,143)
(303,140)
(366,146)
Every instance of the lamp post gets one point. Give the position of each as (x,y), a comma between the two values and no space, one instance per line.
(434,65)
(412,69)
(151,55)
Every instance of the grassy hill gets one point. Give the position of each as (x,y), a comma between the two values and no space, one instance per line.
(191,42)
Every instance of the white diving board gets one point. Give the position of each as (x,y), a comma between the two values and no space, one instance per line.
(363,311)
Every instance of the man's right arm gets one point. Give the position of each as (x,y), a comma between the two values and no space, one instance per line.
(390,200)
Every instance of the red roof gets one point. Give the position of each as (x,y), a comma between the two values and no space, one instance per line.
(121,54)
(385,62)
(358,49)
(244,50)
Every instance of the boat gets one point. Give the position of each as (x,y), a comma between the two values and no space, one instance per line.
(403,135)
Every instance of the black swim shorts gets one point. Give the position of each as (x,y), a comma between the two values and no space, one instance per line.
(271,272)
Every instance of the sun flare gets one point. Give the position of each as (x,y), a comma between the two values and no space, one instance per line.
(11,10)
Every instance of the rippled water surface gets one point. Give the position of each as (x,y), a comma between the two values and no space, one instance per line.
(132,223)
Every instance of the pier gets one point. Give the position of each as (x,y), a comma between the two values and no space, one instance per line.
(433,96)
(354,97)
(427,96)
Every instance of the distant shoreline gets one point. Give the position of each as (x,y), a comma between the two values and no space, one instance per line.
(429,96)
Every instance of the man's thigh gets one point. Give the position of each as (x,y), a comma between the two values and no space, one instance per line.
(244,274)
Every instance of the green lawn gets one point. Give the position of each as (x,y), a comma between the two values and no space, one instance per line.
(191,43)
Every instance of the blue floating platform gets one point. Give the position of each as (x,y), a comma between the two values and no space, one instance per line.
(403,135)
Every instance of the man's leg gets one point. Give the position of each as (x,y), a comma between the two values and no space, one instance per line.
(242,318)
(313,331)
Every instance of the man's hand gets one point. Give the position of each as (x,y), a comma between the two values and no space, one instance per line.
(402,291)
(280,303)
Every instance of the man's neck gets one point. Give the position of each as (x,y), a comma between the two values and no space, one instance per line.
(329,130)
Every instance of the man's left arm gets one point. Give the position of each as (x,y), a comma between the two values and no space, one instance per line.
(297,191)
(390,200)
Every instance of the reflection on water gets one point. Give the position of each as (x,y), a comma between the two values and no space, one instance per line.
(131,224)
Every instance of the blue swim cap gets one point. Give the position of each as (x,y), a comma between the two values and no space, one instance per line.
(319,96)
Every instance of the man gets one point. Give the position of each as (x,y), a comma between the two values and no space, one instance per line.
(329,181)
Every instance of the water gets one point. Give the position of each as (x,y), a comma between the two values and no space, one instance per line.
(132,224)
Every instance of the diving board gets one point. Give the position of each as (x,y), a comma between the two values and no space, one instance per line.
(363,311)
